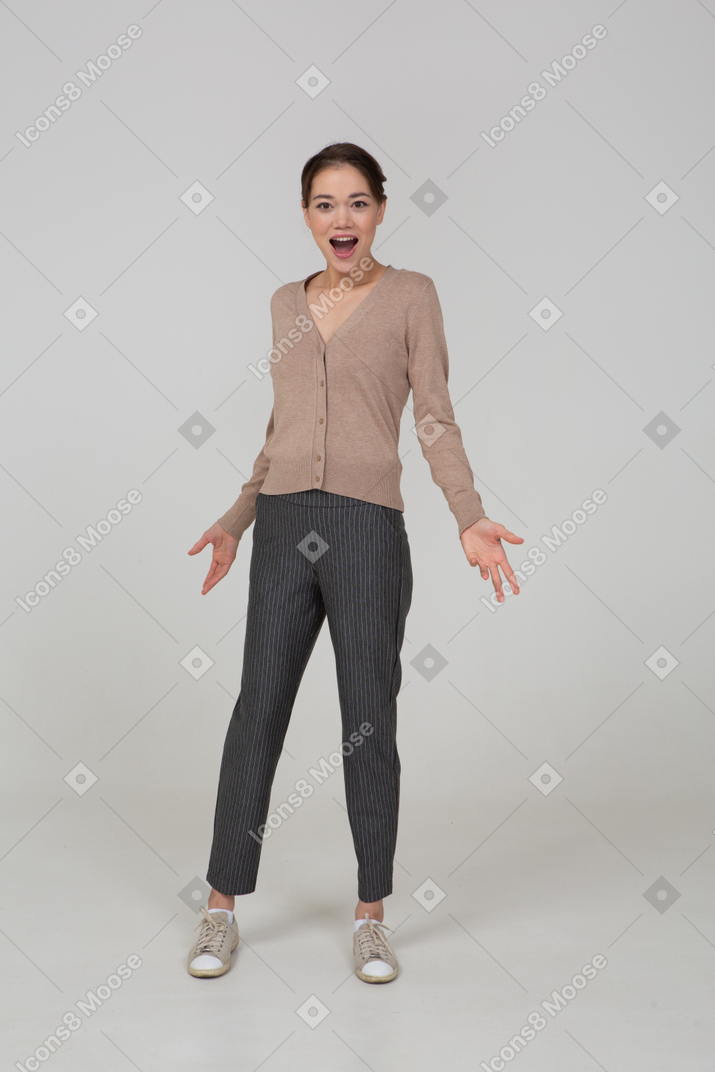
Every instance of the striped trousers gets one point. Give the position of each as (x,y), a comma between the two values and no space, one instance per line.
(317,554)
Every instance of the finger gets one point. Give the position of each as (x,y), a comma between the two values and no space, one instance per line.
(508,572)
(199,545)
(496,579)
(501,561)
(483,566)
(217,572)
(211,575)
(474,561)
(208,585)
(513,583)
(510,576)
(510,536)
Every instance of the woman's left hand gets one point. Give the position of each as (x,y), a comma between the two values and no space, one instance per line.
(482,546)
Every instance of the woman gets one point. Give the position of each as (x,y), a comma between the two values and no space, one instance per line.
(350,342)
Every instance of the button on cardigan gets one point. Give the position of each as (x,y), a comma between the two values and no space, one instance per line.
(335,422)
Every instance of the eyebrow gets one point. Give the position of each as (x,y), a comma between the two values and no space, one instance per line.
(329,197)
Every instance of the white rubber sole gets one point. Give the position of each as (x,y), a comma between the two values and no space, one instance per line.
(375,978)
(210,973)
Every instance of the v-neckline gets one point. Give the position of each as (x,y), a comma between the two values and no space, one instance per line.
(305,308)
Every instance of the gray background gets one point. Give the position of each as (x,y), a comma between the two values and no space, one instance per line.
(527,885)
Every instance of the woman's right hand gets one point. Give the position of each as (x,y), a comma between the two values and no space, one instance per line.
(224,552)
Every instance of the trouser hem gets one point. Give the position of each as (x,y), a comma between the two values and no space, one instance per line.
(370,897)
(216,883)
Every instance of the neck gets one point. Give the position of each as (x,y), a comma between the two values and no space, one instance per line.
(331,277)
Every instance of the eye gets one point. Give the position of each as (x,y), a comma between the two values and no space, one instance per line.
(326,204)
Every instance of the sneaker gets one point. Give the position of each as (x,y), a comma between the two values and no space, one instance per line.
(211,952)
(375,962)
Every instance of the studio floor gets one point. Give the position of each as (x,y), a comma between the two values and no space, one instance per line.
(529,917)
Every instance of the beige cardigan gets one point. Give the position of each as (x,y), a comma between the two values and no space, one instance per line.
(335,422)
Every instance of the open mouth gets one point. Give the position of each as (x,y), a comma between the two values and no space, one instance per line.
(344,246)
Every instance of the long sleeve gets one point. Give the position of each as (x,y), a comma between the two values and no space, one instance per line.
(438,433)
(243,512)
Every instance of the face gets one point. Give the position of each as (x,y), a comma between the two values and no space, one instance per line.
(341,204)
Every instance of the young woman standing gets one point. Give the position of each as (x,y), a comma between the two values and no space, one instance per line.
(349,343)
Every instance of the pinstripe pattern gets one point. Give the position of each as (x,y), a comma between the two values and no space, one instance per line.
(362,583)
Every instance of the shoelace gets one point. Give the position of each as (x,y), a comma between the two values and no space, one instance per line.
(371,941)
(212,932)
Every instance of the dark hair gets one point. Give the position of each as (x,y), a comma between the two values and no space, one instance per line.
(344,154)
